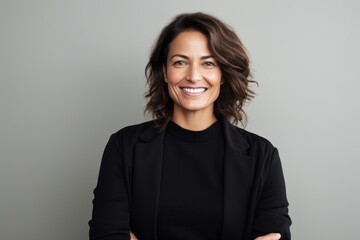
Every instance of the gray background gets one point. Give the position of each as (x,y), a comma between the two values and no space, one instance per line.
(72,72)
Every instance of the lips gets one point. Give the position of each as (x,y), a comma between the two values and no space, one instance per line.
(198,90)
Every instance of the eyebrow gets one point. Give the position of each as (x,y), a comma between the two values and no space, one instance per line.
(186,57)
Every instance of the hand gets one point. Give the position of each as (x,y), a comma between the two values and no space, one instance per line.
(133,237)
(271,236)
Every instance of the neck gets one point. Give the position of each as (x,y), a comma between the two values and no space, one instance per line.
(195,121)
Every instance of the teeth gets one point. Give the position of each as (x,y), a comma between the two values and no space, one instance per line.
(194,90)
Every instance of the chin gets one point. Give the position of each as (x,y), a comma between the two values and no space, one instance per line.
(194,107)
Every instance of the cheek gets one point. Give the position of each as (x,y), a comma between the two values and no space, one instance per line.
(174,77)
(214,75)
(173,91)
(171,80)
(217,86)
(216,80)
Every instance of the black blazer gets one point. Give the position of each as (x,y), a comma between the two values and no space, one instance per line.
(127,191)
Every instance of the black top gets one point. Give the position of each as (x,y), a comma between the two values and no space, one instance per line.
(128,189)
(191,190)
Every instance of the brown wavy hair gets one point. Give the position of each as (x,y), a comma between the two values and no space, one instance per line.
(227,50)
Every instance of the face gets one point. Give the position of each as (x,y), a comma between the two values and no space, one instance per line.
(192,74)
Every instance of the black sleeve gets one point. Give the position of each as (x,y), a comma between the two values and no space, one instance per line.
(271,213)
(110,215)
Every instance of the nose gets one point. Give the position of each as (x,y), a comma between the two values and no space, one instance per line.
(194,74)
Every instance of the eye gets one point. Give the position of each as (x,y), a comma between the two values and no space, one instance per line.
(209,64)
(180,63)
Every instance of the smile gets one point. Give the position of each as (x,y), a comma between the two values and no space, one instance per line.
(193,90)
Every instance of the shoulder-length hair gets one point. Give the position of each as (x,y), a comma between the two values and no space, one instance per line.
(227,50)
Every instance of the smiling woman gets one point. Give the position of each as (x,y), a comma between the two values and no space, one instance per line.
(223,48)
(193,77)
(190,173)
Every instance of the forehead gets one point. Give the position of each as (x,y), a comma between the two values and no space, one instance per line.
(189,42)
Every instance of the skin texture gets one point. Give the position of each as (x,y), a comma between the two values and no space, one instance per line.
(133,237)
(191,66)
(271,236)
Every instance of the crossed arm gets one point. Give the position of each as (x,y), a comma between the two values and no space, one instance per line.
(271,236)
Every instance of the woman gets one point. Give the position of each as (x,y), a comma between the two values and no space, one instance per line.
(190,173)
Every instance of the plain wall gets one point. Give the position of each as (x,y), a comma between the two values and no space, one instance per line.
(72,73)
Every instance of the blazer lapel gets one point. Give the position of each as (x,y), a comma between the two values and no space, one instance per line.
(238,175)
(146,182)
